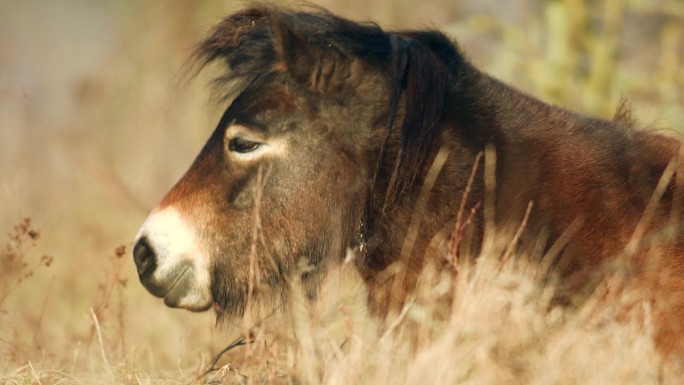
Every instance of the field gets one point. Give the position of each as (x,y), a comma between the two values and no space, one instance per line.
(96,123)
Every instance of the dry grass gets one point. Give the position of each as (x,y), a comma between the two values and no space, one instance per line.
(491,323)
(94,128)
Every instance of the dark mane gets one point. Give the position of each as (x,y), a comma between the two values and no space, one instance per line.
(254,45)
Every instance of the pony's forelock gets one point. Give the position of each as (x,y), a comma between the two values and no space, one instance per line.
(251,45)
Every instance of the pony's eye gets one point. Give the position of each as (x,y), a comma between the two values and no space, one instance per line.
(241,145)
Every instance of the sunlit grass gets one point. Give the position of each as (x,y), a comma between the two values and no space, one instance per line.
(127,128)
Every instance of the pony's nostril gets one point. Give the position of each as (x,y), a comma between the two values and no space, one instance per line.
(144,257)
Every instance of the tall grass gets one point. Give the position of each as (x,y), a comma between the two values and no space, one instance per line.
(94,127)
(489,324)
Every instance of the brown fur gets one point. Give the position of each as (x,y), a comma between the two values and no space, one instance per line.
(365,114)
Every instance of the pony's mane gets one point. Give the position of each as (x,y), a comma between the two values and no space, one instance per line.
(419,67)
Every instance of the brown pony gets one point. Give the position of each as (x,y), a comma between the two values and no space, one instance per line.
(342,139)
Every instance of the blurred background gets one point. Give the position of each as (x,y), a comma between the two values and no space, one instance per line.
(96,124)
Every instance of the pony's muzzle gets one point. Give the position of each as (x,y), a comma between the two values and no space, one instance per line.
(170,261)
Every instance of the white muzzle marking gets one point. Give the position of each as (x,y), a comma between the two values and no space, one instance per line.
(181,274)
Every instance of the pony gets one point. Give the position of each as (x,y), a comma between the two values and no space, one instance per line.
(342,139)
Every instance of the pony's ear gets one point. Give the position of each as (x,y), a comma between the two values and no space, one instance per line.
(311,60)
